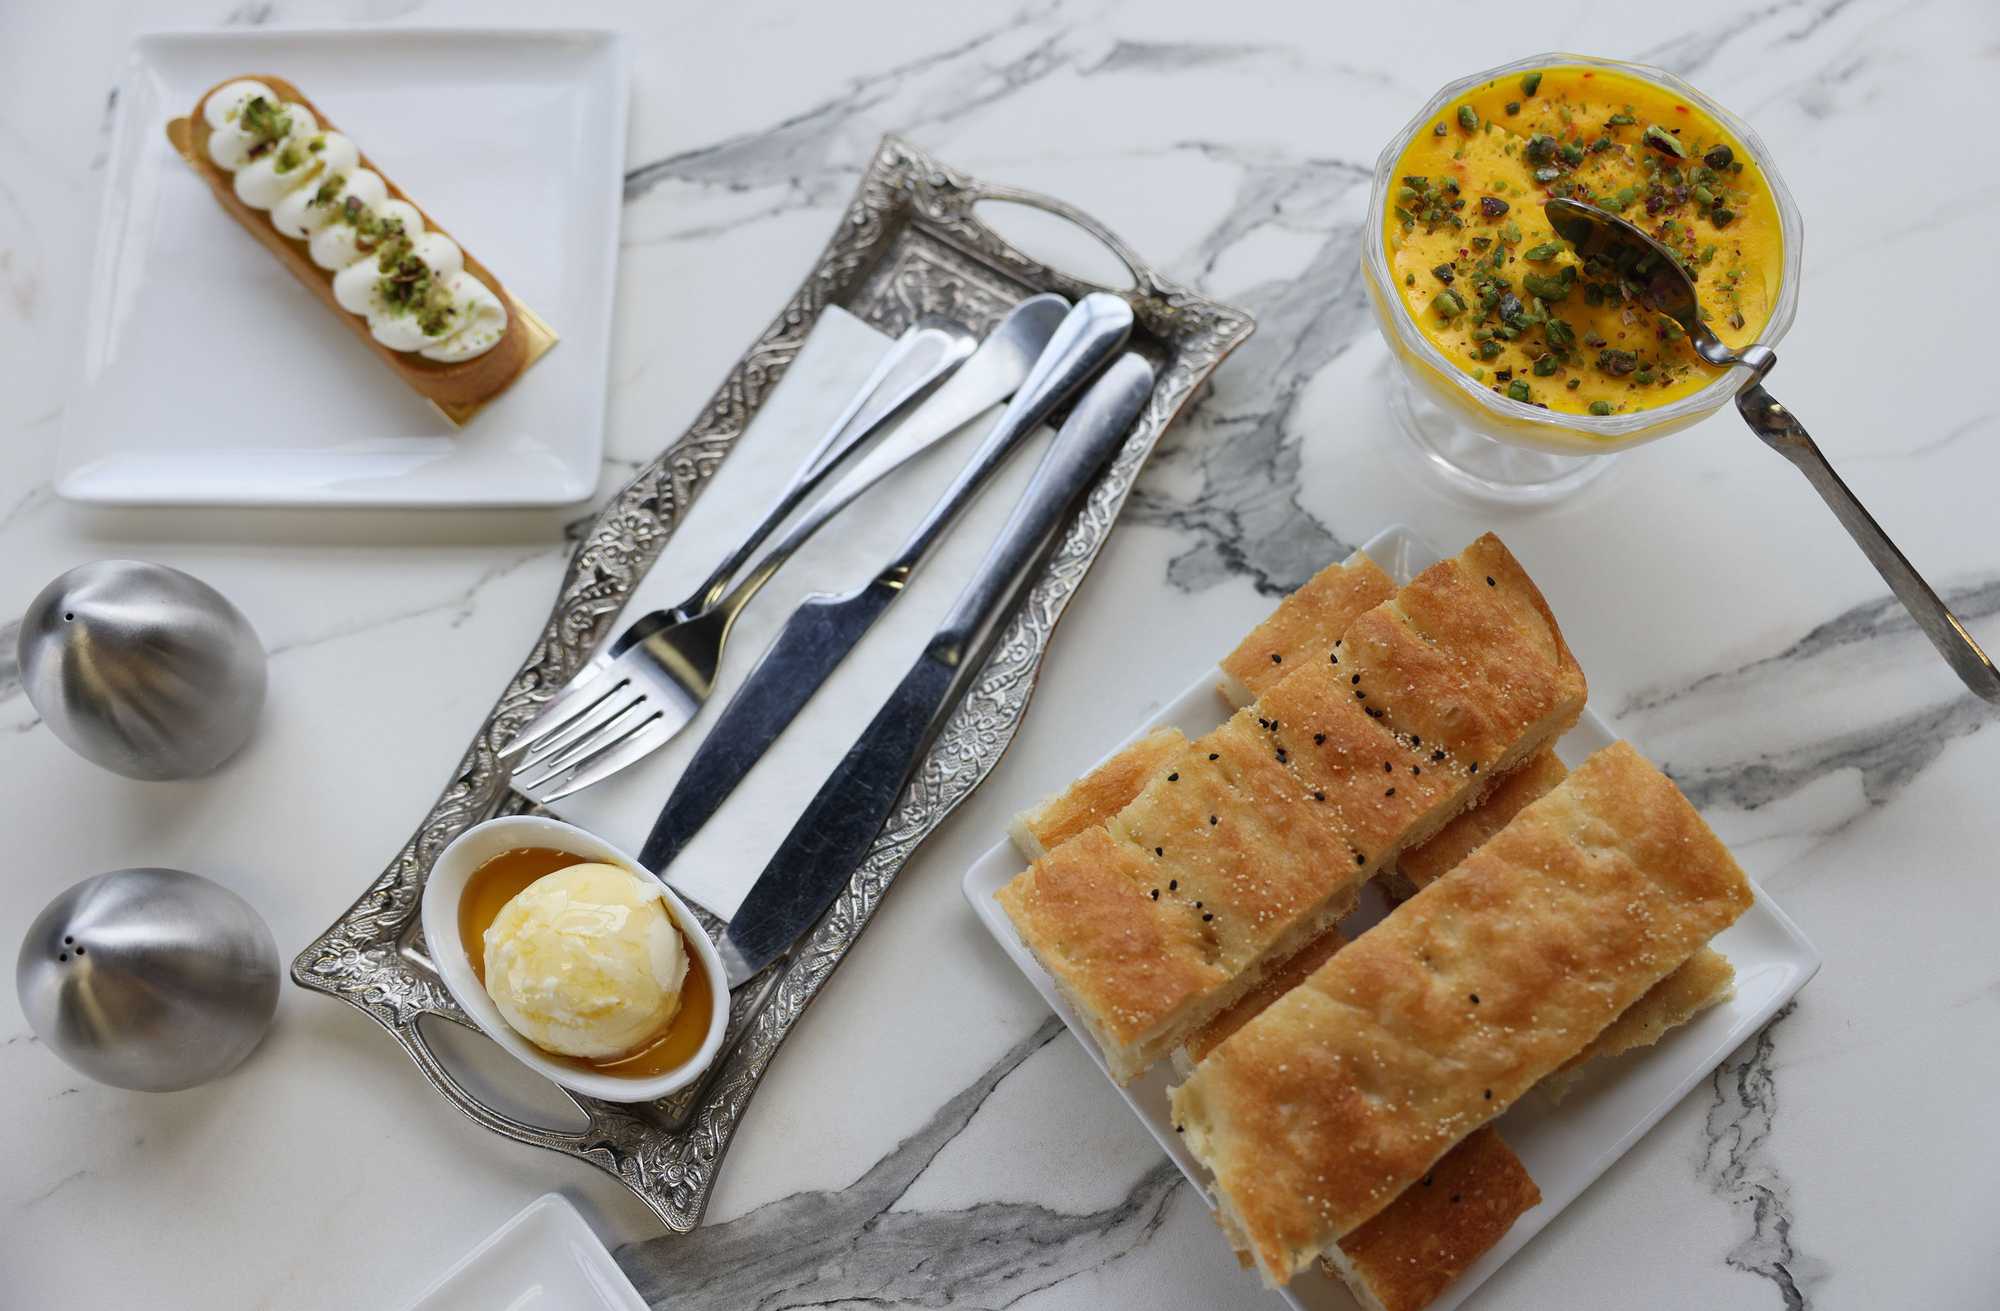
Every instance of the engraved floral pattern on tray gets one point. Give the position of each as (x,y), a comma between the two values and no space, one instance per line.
(908,244)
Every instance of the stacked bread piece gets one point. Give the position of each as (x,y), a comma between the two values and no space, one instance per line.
(1184,895)
(1157,921)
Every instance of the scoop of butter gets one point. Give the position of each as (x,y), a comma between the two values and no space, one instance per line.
(586,962)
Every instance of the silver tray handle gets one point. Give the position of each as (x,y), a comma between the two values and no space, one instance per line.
(1146,283)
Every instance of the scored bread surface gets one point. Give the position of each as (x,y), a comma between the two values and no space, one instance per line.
(1413,1250)
(1272,822)
(1304,626)
(1424,864)
(1704,980)
(1318,1113)
(1097,796)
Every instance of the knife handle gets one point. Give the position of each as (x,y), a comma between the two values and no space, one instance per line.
(1088,336)
(1096,428)
(918,360)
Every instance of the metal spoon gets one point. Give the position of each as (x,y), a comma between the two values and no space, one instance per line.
(1655,273)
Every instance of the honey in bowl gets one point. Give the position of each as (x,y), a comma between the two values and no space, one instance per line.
(500,879)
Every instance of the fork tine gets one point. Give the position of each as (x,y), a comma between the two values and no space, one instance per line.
(607,708)
(630,713)
(574,698)
(635,744)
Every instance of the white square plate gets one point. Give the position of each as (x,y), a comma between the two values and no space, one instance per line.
(544,1259)
(1564,1147)
(208,376)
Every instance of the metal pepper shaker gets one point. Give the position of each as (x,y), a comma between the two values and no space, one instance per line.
(151,979)
(142,669)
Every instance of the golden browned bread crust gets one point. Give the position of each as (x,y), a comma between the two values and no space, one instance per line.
(1705,979)
(451,386)
(1464,658)
(1258,839)
(1427,862)
(1421,1242)
(1097,796)
(1319,1112)
(1274,985)
(1084,916)
(1303,628)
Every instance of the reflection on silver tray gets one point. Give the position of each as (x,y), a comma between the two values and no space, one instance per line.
(907,245)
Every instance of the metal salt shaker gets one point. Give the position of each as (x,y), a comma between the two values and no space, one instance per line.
(142,669)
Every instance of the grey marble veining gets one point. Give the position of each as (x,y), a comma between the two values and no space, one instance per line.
(803,157)
(1242,437)
(852,1247)
(1886,753)
(1809,717)
(457,607)
(1737,1165)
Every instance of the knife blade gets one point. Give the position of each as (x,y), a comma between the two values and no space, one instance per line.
(840,825)
(825,627)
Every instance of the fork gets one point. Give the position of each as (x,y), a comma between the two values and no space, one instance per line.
(663,668)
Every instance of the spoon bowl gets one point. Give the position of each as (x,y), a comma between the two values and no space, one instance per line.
(1653,272)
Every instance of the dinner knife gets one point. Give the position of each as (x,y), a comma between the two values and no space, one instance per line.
(820,854)
(827,626)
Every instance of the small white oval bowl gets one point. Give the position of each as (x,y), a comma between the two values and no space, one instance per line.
(446,885)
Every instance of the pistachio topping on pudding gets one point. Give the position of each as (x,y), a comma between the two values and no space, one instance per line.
(410,284)
(1492,286)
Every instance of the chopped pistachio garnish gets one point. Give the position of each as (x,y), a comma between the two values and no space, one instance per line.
(1617,363)
(263,119)
(1664,141)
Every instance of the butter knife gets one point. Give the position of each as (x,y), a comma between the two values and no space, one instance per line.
(834,834)
(826,627)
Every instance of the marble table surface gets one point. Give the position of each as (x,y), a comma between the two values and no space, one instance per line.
(930,1136)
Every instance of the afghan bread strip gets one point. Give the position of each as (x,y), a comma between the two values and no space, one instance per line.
(1422,865)
(1258,837)
(1096,797)
(1426,1238)
(1251,1004)
(1322,1110)
(1304,627)
(1418,1244)
(1704,980)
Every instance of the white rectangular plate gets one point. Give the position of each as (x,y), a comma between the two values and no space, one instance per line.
(208,376)
(544,1259)
(1564,1147)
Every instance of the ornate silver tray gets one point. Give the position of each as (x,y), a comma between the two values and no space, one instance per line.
(908,245)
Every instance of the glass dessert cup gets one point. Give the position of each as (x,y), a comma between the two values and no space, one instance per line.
(1510,451)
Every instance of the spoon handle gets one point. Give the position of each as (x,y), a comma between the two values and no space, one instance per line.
(1776,426)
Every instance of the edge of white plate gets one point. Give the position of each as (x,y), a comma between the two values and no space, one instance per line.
(580,1243)
(71,484)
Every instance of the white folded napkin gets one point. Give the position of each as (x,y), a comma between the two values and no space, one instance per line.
(720,864)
